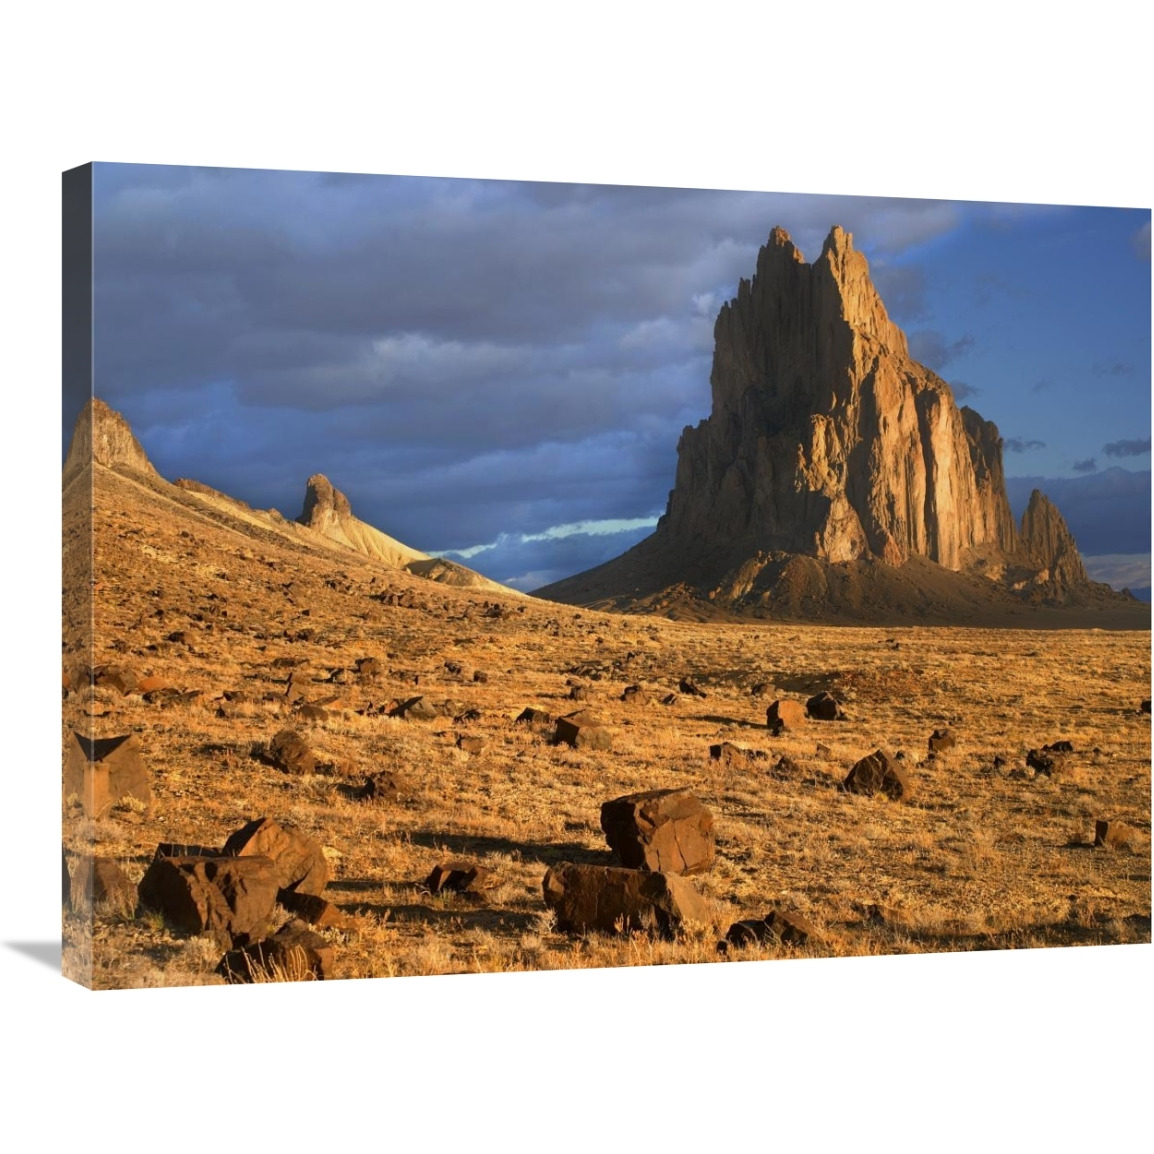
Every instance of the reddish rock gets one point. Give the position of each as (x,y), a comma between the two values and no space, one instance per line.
(634,695)
(102,771)
(461,877)
(612,900)
(690,688)
(386,785)
(531,716)
(229,898)
(786,765)
(879,773)
(294,953)
(776,926)
(823,707)
(662,830)
(298,862)
(1116,835)
(289,752)
(314,910)
(469,743)
(151,685)
(417,709)
(736,756)
(785,715)
(582,730)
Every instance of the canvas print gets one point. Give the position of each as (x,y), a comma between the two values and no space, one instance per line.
(466,576)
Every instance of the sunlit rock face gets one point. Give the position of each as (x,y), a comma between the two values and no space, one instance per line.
(825,438)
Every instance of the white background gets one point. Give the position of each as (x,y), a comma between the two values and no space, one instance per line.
(982,101)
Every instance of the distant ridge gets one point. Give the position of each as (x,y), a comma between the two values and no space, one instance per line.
(836,478)
(103,438)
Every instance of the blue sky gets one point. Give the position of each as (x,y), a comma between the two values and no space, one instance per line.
(503,369)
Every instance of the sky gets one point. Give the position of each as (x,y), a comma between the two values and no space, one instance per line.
(500,371)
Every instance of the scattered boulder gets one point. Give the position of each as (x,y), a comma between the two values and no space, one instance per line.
(737,756)
(147,685)
(942,741)
(67,895)
(314,909)
(879,773)
(614,900)
(634,695)
(532,716)
(293,954)
(578,693)
(298,862)
(385,785)
(470,743)
(760,689)
(787,766)
(417,709)
(690,688)
(289,752)
(785,715)
(777,926)
(480,676)
(229,898)
(669,699)
(307,711)
(662,830)
(823,707)
(1145,706)
(461,877)
(102,771)
(582,730)
(99,881)
(1050,758)
(1116,835)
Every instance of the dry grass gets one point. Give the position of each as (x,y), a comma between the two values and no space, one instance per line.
(982,857)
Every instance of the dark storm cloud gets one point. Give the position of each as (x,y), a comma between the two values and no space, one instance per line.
(464,358)
(1127,448)
(930,348)
(1113,369)
(1089,465)
(1018,445)
(962,391)
(1108,512)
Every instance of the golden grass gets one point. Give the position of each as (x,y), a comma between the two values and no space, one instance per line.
(981,857)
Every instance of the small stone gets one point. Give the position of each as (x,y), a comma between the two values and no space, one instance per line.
(289,752)
(461,877)
(582,730)
(690,688)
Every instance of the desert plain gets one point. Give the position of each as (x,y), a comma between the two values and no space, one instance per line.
(247,628)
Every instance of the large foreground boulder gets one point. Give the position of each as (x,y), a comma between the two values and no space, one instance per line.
(230,899)
(298,862)
(615,900)
(102,771)
(662,830)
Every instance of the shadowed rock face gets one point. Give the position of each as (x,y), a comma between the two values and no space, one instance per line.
(1049,544)
(826,439)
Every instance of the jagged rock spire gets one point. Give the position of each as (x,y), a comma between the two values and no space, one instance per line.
(101,434)
(825,438)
